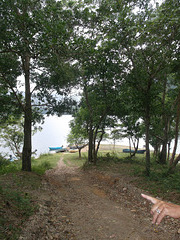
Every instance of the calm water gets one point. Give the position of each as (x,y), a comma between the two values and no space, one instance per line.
(54,134)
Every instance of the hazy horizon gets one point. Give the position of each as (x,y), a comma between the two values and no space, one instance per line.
(54,134)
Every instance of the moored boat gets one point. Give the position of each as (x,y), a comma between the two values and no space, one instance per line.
(55,148)
(132,151)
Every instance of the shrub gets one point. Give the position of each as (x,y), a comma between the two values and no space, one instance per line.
(11,167)
(3,161)
(42,167)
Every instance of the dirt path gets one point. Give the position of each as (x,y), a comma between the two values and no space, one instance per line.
(87,205)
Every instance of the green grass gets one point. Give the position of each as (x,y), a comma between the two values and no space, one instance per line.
(11,167)
(45,162)
(39,165)
(72,159)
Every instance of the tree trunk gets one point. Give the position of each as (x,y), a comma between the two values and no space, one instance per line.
(90,149)
(80,148)
(176,131)
(147,125)
(173,165)
(168,155)
(163,154)
(98,145)
(147,151)
(94,147)
(156,150)
(136,146)
(26,154)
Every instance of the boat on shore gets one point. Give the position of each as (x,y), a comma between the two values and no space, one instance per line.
(57,149)
(126,150)
(54,148)
(73,149)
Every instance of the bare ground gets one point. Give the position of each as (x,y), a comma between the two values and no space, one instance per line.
(89,205)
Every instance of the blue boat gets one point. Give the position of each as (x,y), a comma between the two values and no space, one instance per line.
(132,151)
(55,148)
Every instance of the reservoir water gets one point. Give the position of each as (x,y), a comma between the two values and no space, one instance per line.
(54,134)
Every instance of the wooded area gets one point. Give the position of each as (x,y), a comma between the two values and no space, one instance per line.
(122,57)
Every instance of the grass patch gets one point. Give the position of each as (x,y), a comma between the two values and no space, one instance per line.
(45,162)
(39,165)
(73,160)
(10,167)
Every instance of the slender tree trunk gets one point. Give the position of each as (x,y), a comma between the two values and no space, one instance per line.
(163,154)
(114,145)
(26,154)
(79,149)
(136,145)
(130,146)
(168,151)
(98,145)
(147,150)
(90,149)
(176,131)
(90,131)
(172,167)
(94,146)
(147,125)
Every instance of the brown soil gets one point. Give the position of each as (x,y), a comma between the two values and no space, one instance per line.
(90,205)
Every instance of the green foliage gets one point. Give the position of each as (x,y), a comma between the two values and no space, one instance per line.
(3,161)
(126,62)
(108,157)
(41,167)
(11,167)
(12,135)
(10,68)
(36,35)
(78,134)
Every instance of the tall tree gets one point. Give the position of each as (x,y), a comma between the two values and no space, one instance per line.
(146,42)
(38,34)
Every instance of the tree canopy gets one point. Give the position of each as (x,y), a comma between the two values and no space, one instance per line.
(122,55)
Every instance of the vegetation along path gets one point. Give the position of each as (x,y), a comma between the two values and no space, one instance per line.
(88,205)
